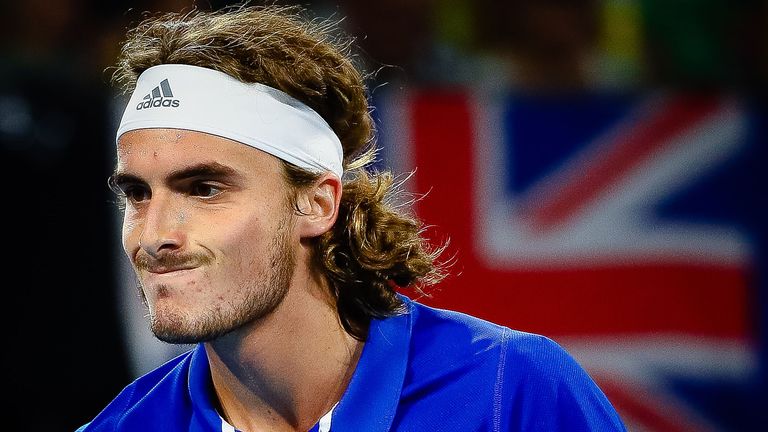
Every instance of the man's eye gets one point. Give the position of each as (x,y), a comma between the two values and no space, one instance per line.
(205,190)
(136,193)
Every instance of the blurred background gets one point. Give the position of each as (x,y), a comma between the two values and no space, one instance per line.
(598,165)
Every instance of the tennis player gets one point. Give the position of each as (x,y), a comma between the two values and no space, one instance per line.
(257,233)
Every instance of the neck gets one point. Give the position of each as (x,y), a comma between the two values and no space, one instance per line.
(286,370)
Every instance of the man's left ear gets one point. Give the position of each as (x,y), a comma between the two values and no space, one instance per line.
(319,206)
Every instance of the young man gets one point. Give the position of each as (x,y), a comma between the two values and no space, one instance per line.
(255,232)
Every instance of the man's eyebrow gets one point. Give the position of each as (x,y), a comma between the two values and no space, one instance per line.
(213,170)
(118,179)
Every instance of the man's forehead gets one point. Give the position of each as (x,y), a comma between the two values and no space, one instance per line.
(169,150)
(162,137)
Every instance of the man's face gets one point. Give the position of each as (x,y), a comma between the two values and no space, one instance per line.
(208,228)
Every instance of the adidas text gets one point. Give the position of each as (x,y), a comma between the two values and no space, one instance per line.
(160,102)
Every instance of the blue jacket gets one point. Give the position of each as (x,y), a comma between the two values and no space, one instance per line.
(425,370)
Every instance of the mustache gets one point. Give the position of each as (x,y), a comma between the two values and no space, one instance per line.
(148,263)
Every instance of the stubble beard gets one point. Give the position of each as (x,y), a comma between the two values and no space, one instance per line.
(265,293)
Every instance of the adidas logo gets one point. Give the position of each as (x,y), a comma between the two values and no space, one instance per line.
(159,97)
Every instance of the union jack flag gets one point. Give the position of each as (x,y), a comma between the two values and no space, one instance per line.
(612,223)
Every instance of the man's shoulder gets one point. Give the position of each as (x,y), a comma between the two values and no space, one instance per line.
(456,335)
(516,358)
(162,383)
(523,380)
(446,344)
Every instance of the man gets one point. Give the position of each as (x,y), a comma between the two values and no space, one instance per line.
(256,232)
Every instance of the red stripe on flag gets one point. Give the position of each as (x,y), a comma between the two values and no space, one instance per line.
(634,146)
(642,299)
(441,131)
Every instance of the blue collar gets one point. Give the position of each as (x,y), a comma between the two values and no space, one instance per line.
(371,399)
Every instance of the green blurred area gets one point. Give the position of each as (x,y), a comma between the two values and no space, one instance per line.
(557,44)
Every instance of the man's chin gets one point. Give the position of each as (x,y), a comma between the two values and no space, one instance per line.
(177,336)
(178,339)
(172,329)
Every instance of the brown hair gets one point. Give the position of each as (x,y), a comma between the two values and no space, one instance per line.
(375,245)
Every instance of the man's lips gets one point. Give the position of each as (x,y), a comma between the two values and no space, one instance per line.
(165,270)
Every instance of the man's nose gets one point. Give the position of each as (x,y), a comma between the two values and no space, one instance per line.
(162,231)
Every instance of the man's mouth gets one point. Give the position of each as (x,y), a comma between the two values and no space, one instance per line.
(165,270)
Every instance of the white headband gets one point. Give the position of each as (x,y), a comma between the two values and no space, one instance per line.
(190,97)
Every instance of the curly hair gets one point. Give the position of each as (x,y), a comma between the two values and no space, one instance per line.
(376,245)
